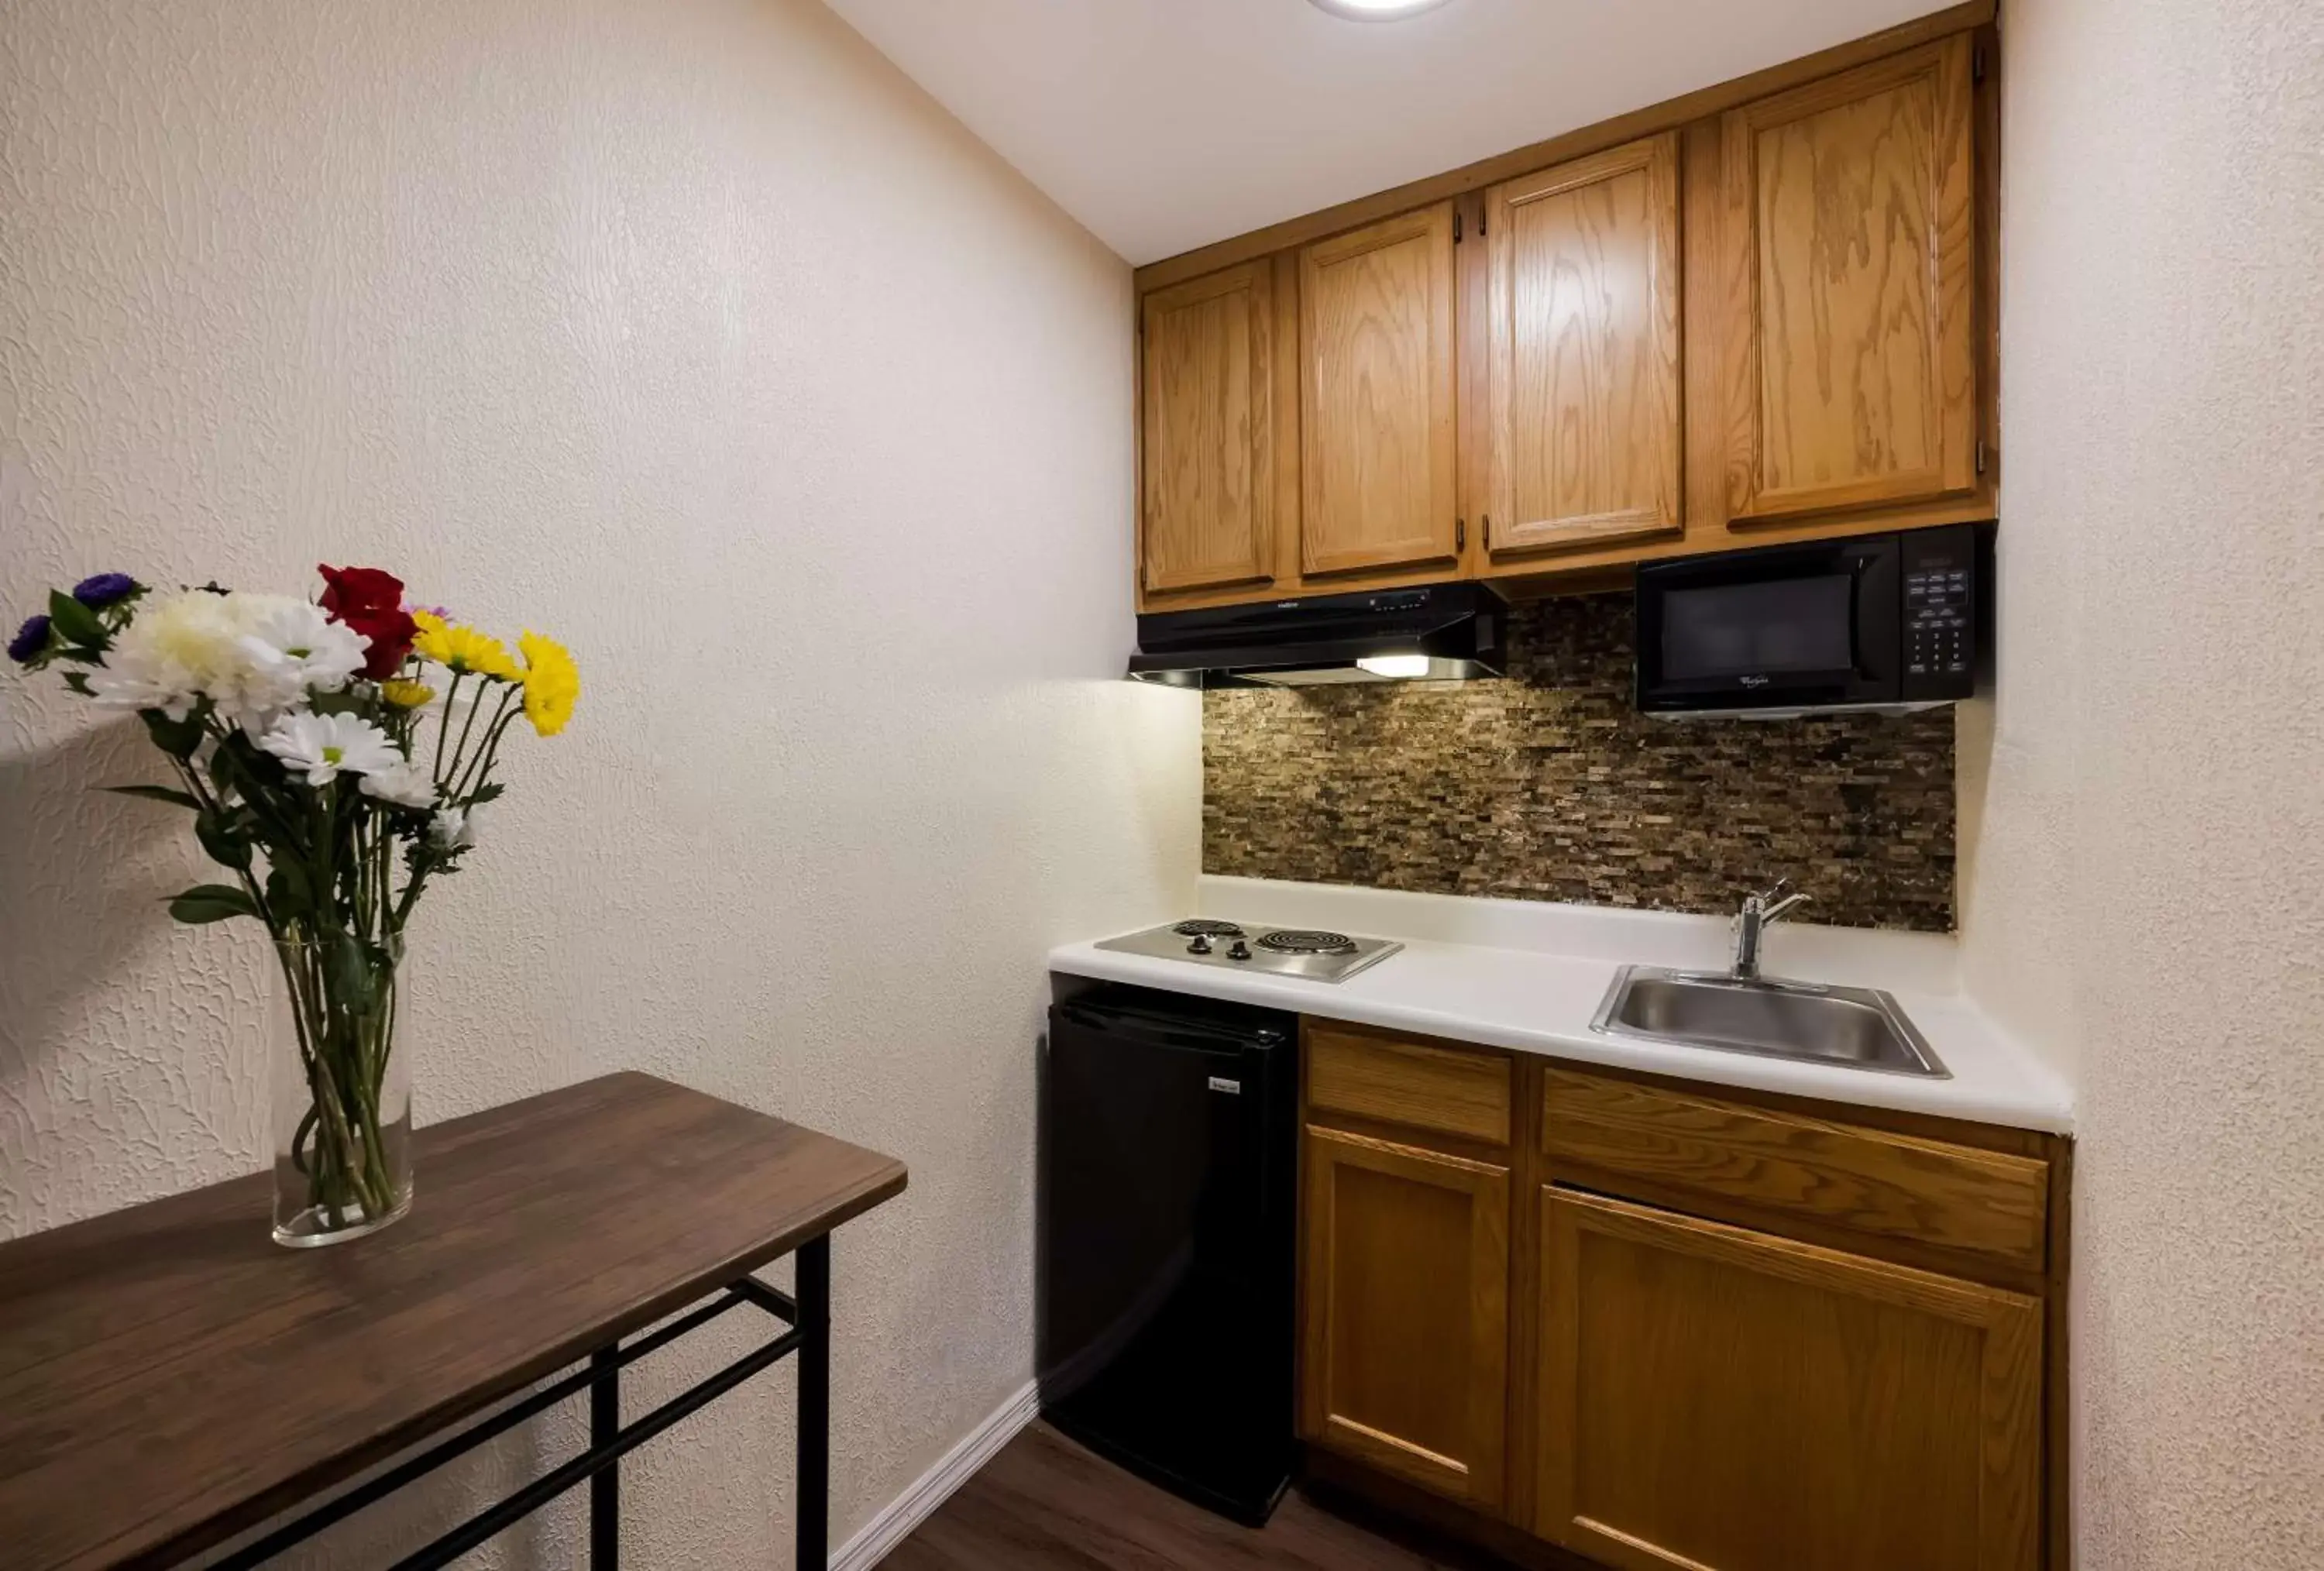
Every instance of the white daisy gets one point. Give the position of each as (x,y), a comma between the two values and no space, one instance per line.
(454,828)
(405,784)
(290,649)
(325,746)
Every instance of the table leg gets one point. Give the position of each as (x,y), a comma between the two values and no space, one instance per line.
(604,1487)
(814,1295)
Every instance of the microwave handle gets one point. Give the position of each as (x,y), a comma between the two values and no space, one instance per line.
(1857,649)
(1877,606)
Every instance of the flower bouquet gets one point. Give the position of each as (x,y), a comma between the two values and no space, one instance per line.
(336,755)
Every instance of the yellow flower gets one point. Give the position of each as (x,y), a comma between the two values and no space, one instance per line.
(551,682)
(463,649)
(405,694)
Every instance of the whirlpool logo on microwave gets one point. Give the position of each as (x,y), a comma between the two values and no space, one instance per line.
(1753,681)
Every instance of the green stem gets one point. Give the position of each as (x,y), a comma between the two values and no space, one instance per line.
(489,754)
(443,724)
(460,751)
(474,768)
(302,1134)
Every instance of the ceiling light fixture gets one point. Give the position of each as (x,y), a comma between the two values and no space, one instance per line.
(1376,9)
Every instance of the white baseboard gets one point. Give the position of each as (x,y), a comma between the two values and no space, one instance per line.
(896,1520)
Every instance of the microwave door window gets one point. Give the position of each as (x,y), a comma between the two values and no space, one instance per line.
(1777,627)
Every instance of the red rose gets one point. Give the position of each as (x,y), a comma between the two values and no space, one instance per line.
(360,589)
(371,602)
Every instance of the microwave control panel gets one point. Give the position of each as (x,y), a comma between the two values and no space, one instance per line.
(1941,596)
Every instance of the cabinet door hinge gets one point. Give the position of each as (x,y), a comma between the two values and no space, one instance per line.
(1977,63)
(1459,534)
(1981,456)
(1487,541)
(1456,225)
(1482,214)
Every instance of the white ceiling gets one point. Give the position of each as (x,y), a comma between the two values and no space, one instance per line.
(1165,125)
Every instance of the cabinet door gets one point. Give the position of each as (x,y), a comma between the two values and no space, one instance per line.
(1375,410)
(1208,463)
(1718,1399)
(1582,352)
(1849,214)
(1407,1311)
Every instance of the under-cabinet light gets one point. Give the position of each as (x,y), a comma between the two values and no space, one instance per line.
(1393,665)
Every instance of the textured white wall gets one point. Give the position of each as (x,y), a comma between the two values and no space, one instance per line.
(691,333)
(2148,893)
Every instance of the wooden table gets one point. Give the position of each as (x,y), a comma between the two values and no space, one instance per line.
(170,1377)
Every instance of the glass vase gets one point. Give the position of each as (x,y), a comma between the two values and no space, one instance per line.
(341,1091)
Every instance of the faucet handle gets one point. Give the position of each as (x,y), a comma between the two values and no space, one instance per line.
(1775,909)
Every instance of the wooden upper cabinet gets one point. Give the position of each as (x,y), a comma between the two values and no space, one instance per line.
(1376,458)
(1849,216)
(1208,507)
(1770,319)
(1583,434)
(1406,1307)
(1719,1400)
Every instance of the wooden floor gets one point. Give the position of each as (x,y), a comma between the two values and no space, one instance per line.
(1045,1504)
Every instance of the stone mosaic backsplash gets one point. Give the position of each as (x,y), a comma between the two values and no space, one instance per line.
(1547,785)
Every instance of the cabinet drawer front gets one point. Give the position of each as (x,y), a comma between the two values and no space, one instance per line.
(1422,1087)
(1892,1185)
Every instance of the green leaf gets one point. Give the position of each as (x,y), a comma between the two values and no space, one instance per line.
(351,975)
(488,793)
(341,703)
(79,682)
(228,771)
(238,764)
(211,902)
(77,622)
(226,848)
(177,738)
(287,893)
(153,793)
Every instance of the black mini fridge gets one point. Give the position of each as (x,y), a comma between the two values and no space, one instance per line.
(1167,1204)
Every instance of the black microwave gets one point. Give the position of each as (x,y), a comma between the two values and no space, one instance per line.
(1882,622)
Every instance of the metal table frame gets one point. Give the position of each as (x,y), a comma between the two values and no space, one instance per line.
(807,1317)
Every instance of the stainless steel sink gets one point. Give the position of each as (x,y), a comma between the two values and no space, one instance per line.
(1858,1027)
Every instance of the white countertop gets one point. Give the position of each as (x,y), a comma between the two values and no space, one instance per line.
(1537,1000)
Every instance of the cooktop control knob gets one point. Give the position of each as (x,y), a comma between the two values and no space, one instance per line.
(1241,951)
(1201,946)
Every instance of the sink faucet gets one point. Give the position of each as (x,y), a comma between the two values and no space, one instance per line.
(1751,926)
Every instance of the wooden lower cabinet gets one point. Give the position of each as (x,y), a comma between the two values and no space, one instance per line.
(1406,1293)
(1516,1295)
(1713,1398)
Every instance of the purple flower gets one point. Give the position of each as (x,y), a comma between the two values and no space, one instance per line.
(103,589)
(30,640)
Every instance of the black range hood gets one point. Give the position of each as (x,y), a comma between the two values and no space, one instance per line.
(1436,631)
